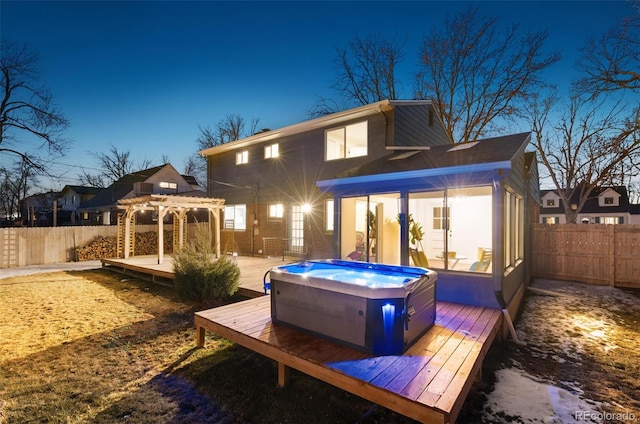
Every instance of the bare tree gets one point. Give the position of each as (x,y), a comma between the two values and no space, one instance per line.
(583,144)
(612,62)
(477,72)
(29,118)
(230,128)
(113,165)
(15,183)
(367,69)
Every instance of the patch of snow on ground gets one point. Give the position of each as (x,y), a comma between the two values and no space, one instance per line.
(516,394)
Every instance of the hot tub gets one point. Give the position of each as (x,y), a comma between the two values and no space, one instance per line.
(380,309)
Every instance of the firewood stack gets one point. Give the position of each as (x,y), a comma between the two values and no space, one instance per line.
(105,247)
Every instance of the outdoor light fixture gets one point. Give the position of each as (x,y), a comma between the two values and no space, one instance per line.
(306,208)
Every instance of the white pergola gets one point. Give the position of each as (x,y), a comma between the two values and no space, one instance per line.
(163,204)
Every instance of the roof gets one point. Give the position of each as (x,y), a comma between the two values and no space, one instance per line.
(328,120)
(490,150)
(116,191)
(592,205)
(82,189)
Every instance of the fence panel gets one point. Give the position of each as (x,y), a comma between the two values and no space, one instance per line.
(595,254)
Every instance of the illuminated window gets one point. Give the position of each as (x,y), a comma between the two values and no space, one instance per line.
(271,151)
(242,157)
(346,142)
(164,184)
(276,210)
(551,202)
(513,228)
(608,200)
(329,215)
(235,217)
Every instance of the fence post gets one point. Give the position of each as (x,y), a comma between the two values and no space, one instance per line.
(612,255)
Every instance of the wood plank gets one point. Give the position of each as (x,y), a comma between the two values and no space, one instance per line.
(458,347)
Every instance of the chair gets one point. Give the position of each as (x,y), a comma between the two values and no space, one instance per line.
(419,258)
(356,255)
(483,262)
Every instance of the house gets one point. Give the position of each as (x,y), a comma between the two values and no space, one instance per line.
(103,208)
(37,210)
(384,183)
(70,198)
(606,205)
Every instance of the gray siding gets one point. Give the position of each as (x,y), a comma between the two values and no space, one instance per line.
(417,125)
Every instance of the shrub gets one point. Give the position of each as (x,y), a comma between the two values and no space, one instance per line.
(198,275)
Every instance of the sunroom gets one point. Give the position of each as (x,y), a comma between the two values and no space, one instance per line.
(461,210)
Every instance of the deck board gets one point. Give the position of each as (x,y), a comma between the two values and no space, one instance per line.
(429,382)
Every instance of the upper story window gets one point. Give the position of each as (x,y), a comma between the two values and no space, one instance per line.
(271,151)
(349,141)
(608,200)
(242,157)
(165,184)
(551,202)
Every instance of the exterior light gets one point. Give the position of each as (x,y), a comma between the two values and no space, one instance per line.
(306,208)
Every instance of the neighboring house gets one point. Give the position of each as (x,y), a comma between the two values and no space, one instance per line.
(606,205)
(339,186)
(103,209)
(37,209)
(70,199)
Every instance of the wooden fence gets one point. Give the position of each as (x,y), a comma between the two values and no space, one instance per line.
(48,245)
(595,254)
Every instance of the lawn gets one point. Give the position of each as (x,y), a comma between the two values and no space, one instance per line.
(94,346)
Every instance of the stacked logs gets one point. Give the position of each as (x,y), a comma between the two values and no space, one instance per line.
(106,247)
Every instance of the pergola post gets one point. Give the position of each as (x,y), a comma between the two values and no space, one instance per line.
(127,230)
(161,213)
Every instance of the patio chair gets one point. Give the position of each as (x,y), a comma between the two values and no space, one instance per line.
(483,262)
(419,258)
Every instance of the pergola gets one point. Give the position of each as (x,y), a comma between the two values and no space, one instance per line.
(163,204)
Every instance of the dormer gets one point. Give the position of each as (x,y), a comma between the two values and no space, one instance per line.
(609,197)
(551,200)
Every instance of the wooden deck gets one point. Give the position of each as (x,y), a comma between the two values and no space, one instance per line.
(252,270)
(428,383)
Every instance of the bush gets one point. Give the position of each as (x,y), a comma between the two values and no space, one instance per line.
(198,276)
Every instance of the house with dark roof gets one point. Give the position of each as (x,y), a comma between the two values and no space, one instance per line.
(103,208)
(605,205)
(384,183)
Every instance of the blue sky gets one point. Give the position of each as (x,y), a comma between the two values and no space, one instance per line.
(142,75)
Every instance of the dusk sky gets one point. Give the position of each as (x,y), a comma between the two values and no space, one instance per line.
(143,75)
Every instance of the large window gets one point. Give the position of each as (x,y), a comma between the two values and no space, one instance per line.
(452,229)
(346,142)
(235,217)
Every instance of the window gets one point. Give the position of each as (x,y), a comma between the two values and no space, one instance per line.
(73,199)
(346,142)
(276,210)
(439,221)
(551,202)
(235,217)
(271,151)
(242,157)
(164,184)
(608,200)
(513,228)
(329,215)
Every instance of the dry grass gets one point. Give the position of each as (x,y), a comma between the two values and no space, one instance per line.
(92,347)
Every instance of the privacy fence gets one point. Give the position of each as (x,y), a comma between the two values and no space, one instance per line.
(595,254)
(48,245)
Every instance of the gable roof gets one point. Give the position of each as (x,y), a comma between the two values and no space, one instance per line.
(81,189)
(120,188)
(591,205)
(324,121)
